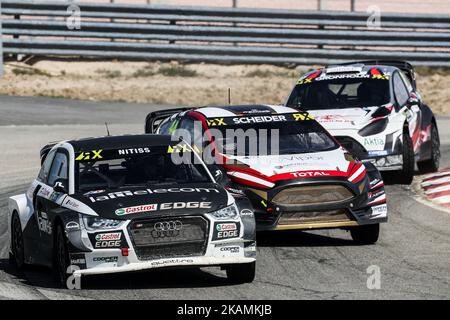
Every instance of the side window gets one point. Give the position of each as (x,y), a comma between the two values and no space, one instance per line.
(45,169)
(59,169)
(400,91)
(169,126)
(406,81)
(196,135)
(164,127)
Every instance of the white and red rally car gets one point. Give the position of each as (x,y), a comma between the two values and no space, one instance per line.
(374,110)
(308,181)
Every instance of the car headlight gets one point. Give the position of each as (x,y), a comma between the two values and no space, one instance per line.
(97,223)
(229,212)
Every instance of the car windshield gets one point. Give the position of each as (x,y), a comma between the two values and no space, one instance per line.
(113,169)
(340,93)
(272,138)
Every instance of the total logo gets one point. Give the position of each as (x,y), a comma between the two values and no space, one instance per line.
(136,209)
(307,174)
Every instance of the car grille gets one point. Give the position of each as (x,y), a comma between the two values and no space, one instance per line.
(312,195)
(169,237)
(353,146)
(313,217)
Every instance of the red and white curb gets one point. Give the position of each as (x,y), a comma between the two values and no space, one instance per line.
(435,188)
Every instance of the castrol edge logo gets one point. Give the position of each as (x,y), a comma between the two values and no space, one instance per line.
(108,236)
(136,209)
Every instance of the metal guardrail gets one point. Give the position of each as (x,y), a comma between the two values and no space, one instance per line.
(228,35)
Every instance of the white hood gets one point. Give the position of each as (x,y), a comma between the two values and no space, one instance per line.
(277,164)
(343,119)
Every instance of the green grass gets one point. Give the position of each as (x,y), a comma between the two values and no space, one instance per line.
(177,71)
(143,73)
(29,72)
(110,74)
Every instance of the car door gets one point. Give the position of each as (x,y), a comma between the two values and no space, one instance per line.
(409,106)
(35,194)
(50,206)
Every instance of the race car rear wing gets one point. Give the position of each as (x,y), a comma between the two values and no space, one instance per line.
(405,66)
(154,119)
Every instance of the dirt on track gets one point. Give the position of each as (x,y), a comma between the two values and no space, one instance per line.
(172,83)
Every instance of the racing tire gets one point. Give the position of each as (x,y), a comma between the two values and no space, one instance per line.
(61,257)
(17,245)
(406,175)
(241,273)
(432,165)
(365,235)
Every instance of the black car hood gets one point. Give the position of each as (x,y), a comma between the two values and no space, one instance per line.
(139,202)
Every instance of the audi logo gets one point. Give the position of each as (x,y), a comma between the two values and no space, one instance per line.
(168,226)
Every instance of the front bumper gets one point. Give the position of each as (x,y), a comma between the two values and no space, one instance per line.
(362,209)
(91,252)
(386,163)
(128,264)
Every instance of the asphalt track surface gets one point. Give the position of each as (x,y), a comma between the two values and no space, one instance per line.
(413,253)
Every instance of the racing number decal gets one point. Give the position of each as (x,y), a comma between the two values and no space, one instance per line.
(90,155)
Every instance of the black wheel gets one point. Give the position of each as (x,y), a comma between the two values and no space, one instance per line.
(17,245)
(406,175)
(367,234)
(241,273)
(432,165)
(61,257)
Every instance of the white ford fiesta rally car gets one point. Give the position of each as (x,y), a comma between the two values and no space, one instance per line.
(375,111)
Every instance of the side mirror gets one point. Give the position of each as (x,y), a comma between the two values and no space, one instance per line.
(60,186)
(413,99)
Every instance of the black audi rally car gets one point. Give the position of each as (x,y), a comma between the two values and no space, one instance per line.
(116,204)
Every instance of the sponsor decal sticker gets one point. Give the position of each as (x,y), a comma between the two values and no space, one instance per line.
(136,209)
(259,119)
(108,236)
(373,142)
(124,194)
(307,174)
(381,209)
(90,155)
(215,122)
(302,116)
(172,261)
(45,225)
(230,249)
(112,259)
(246,213)
(185,205)
(132,151)
(108,240)
(226,230)
(376,153)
